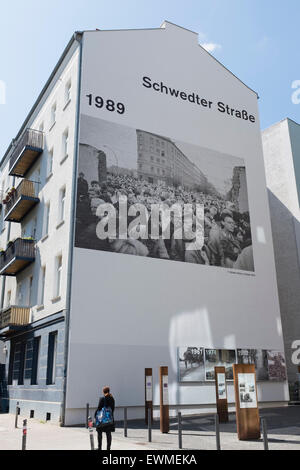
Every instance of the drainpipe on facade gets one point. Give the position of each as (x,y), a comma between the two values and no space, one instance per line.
(77,37)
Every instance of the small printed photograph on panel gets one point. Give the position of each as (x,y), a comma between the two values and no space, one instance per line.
(191,364)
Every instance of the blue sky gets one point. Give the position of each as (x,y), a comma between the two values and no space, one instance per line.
(258,40)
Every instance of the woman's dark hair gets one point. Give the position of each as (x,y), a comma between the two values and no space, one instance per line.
(106,389)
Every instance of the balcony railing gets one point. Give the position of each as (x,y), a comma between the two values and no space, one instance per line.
(21,200)
(17,256)
(28,148)
(13,317)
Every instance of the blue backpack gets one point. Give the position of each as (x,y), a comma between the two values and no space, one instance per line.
(104,417)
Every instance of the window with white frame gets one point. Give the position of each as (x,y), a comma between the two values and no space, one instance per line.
(61,206)
(50,162)
(46,219)
(65,143)
(68,92)
(20,294)
(53,114)
(42,285)
(34,228)
(30,292)
(2,208)
(8,298)
(57,277)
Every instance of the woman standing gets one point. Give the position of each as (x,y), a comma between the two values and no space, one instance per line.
(106,401)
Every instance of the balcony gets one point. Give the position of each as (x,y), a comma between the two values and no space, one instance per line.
(17,256)
(21,200)
(27,150)
(13,318)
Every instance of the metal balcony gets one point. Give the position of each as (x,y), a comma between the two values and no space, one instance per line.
(27,150)
(17,256)
(21,200)
(13,318)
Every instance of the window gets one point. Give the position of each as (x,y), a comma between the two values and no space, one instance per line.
(68,92)
(41,127)
(8,298)
(46,219)
(22,363)
(51,363)
(2,208)
(20,294)
(58,270)
(33,228)
(42,285)
(65,141)
(14,364)
(50,162)
(53,115)
(35,360)
(61,208)
(30,293)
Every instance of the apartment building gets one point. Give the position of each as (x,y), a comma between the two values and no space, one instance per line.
(36,183)
(81,307)
(281,146)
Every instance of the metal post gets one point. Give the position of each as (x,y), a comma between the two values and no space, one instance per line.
(125,421)
(24,434)
(90,426)
(217,427)
(179,430)
(17,413)
(149,426)
(87,415)
(265,433)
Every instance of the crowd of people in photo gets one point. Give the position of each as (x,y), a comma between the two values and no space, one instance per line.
(227,232)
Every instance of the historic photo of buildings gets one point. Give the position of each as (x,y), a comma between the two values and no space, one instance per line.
(125,174)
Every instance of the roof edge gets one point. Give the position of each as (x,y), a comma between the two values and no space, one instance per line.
(74,38)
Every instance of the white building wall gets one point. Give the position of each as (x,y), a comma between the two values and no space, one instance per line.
(127,312)
(57,241)
(281,155)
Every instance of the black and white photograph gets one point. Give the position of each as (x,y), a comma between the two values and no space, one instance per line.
(219,358)
(191,364)
(276,366)
(148,195)
(259,358)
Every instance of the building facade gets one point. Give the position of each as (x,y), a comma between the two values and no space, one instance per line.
(281,146)
(36,184)
(83,306)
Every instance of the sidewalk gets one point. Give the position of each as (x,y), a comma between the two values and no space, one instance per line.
(198,433)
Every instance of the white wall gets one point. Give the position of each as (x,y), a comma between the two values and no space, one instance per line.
(280,144)
(128,312)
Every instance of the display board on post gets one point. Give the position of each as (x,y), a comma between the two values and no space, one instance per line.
(221,394)
(164,399)
(247,414)
(148,394)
